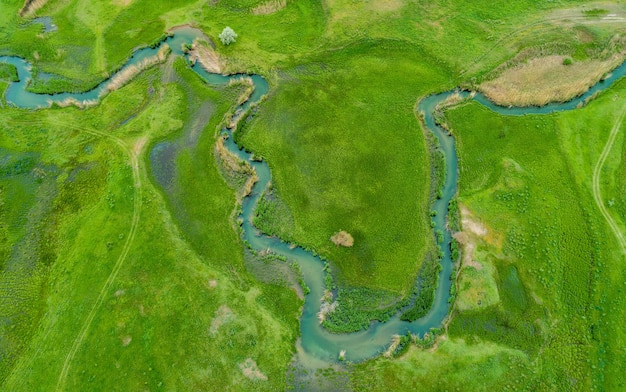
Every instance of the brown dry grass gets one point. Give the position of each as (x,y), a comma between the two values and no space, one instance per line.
(127,73)
(73,101)
(119,79)
(31,6)
(249,89)
(207,57)
(451,100)
(233,165)
(545,79)
(327,305)
(247,188)
(269,7)
(342,238)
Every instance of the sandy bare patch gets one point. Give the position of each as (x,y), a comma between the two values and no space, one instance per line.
(546,79)
(471,224)
(269,7)
(126,340)
(122,3)
(346,10)
(212,283)
(207,57)
(477,287)
(473,231)
(250,369)
(223,315)
(385,5)
(31,6)
(139,144)
(342,238)
(469,246)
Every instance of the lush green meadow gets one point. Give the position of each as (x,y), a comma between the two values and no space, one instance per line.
(171,306)
(123,269)
(553,263)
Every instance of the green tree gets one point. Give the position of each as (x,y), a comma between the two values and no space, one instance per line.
(228,36)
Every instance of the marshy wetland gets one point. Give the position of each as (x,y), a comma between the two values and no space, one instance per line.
(155,213)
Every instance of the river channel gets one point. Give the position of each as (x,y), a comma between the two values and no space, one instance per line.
(317,343)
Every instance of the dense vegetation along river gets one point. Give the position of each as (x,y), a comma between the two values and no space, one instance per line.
(317,343)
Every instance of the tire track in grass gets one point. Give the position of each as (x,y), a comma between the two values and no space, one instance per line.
(596,182)
(134,162)
(545,21)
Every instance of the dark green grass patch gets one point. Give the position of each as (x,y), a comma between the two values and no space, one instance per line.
(167,297)
(272,216)
(358,307)
(363,171)
(8,73)
(513,175)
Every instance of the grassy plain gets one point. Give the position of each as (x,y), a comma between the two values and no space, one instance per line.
(546,248)
(347,153)
(171,306)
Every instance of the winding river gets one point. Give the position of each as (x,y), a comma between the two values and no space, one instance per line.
(317,343)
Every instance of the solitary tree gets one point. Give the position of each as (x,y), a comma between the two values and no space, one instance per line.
(228,36)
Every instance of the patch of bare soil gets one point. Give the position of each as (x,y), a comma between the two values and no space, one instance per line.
(472,231)
(122,3)
(250,369)
(223,315)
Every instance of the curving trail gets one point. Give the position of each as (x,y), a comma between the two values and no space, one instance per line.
(134,163)
(545,21)
(596,182)
(133,155)
(317,342)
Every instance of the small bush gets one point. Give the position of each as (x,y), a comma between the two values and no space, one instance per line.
(228,36)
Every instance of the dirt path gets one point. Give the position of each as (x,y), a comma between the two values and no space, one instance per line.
(577,18)
(596,182)
(133,155)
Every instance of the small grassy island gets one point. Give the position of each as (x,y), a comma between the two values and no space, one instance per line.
(312,195)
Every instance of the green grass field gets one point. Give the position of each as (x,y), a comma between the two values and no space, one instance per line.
(180,305)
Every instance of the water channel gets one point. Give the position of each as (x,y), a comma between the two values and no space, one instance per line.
(316,342)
